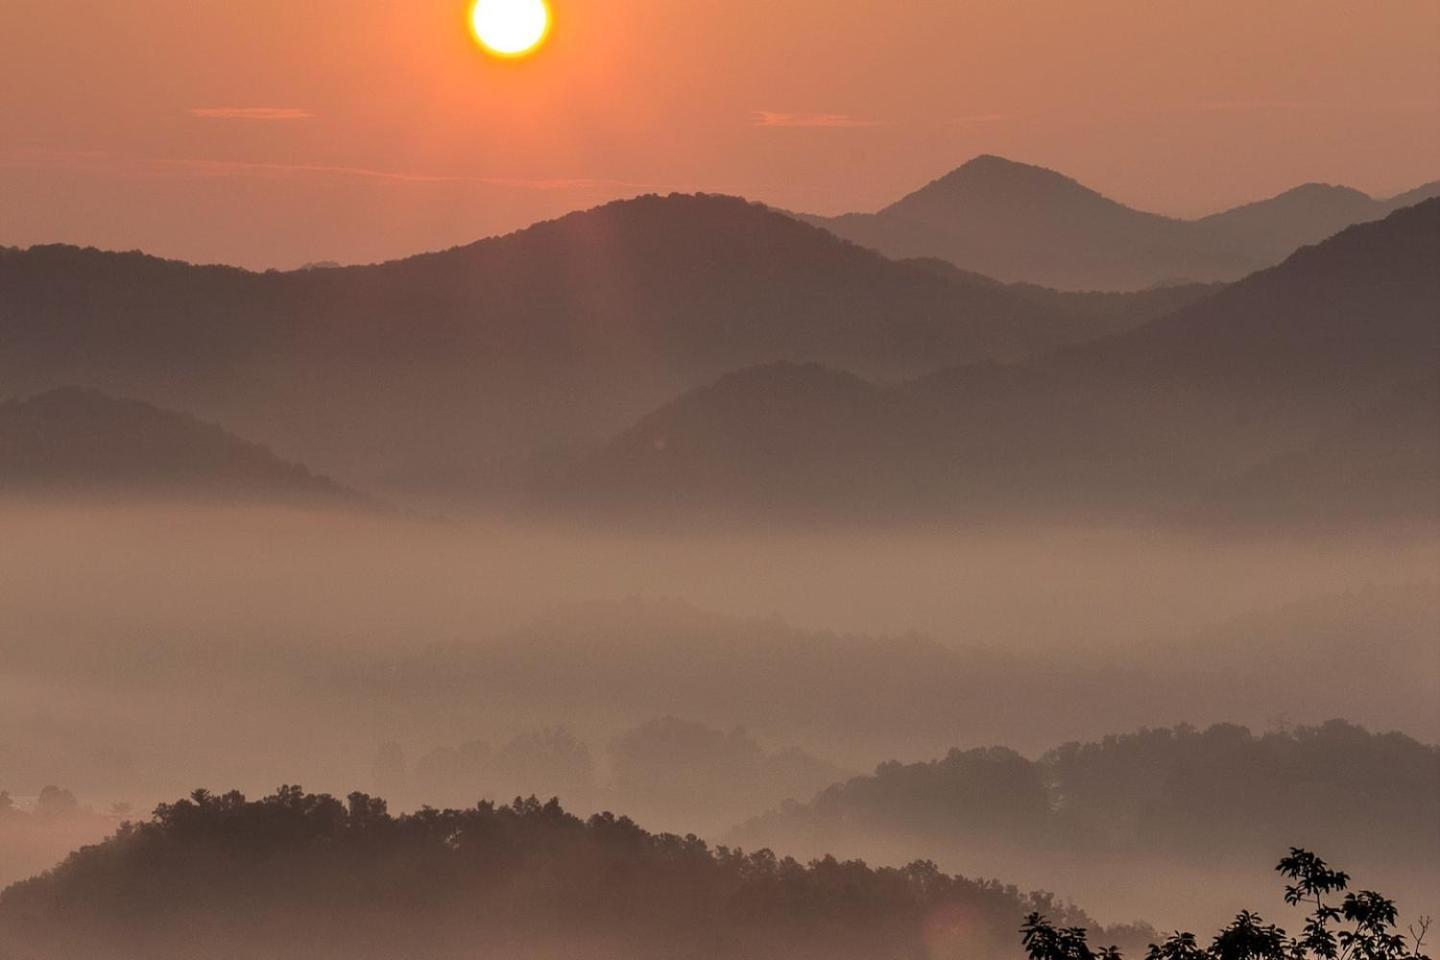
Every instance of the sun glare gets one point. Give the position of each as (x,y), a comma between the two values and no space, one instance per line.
(510,28)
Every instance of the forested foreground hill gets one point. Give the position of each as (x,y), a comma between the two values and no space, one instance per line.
(297,875)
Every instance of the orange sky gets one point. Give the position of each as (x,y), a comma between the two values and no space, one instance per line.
(274,132)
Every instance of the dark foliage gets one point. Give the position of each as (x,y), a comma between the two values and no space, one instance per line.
(1221,794)
(303,875)
(1362,926)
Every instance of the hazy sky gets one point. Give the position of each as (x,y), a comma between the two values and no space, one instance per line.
(272,132)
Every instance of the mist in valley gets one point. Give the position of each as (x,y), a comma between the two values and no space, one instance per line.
(698,683)
(746,517)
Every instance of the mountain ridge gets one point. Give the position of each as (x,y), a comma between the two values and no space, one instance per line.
(73,441)
(1024,223)
(1131,425)
(453,371)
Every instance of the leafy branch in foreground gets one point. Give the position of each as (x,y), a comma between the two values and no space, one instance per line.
(1362,926)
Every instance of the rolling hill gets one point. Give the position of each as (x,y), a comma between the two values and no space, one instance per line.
(77,442)
(1213,799)
(457,369)
(1381,464)
(297,875)
(1146,420)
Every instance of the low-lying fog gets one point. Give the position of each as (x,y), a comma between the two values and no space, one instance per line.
(148,651)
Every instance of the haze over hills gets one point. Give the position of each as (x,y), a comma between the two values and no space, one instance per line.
(1270,230)
(488,370)
(1214,799)
(458,368)
(1014,570)
(857,698)
(79,442)
(1382,463)
(1159,790)
(1019,222)
(1142,421)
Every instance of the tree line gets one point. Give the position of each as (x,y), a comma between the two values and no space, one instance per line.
(1189,794)
(296,874)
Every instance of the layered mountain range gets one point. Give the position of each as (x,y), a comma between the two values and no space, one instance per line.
(698,353)
(1312,380)
(1019,222)
(457,369)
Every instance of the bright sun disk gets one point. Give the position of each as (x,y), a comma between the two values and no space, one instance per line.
(510,28)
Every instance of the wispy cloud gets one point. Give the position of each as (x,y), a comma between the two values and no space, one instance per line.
(766,118)
(975,118)
(251,113)
(239,168)
(101,162)
(1219,106)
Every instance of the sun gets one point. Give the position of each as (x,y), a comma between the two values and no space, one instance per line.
(510,28)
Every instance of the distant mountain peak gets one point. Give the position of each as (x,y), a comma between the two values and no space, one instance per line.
(1316,188)
(991,175)
(1345,204)
(1019,222)
(1425,191)
(993,165)
(659,217)
(999,196)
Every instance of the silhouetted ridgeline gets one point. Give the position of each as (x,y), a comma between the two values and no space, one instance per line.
(1020,222)
(1292,367)
(304,876)
(73,441)
(1222,795)
(488,371)
(453,370)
